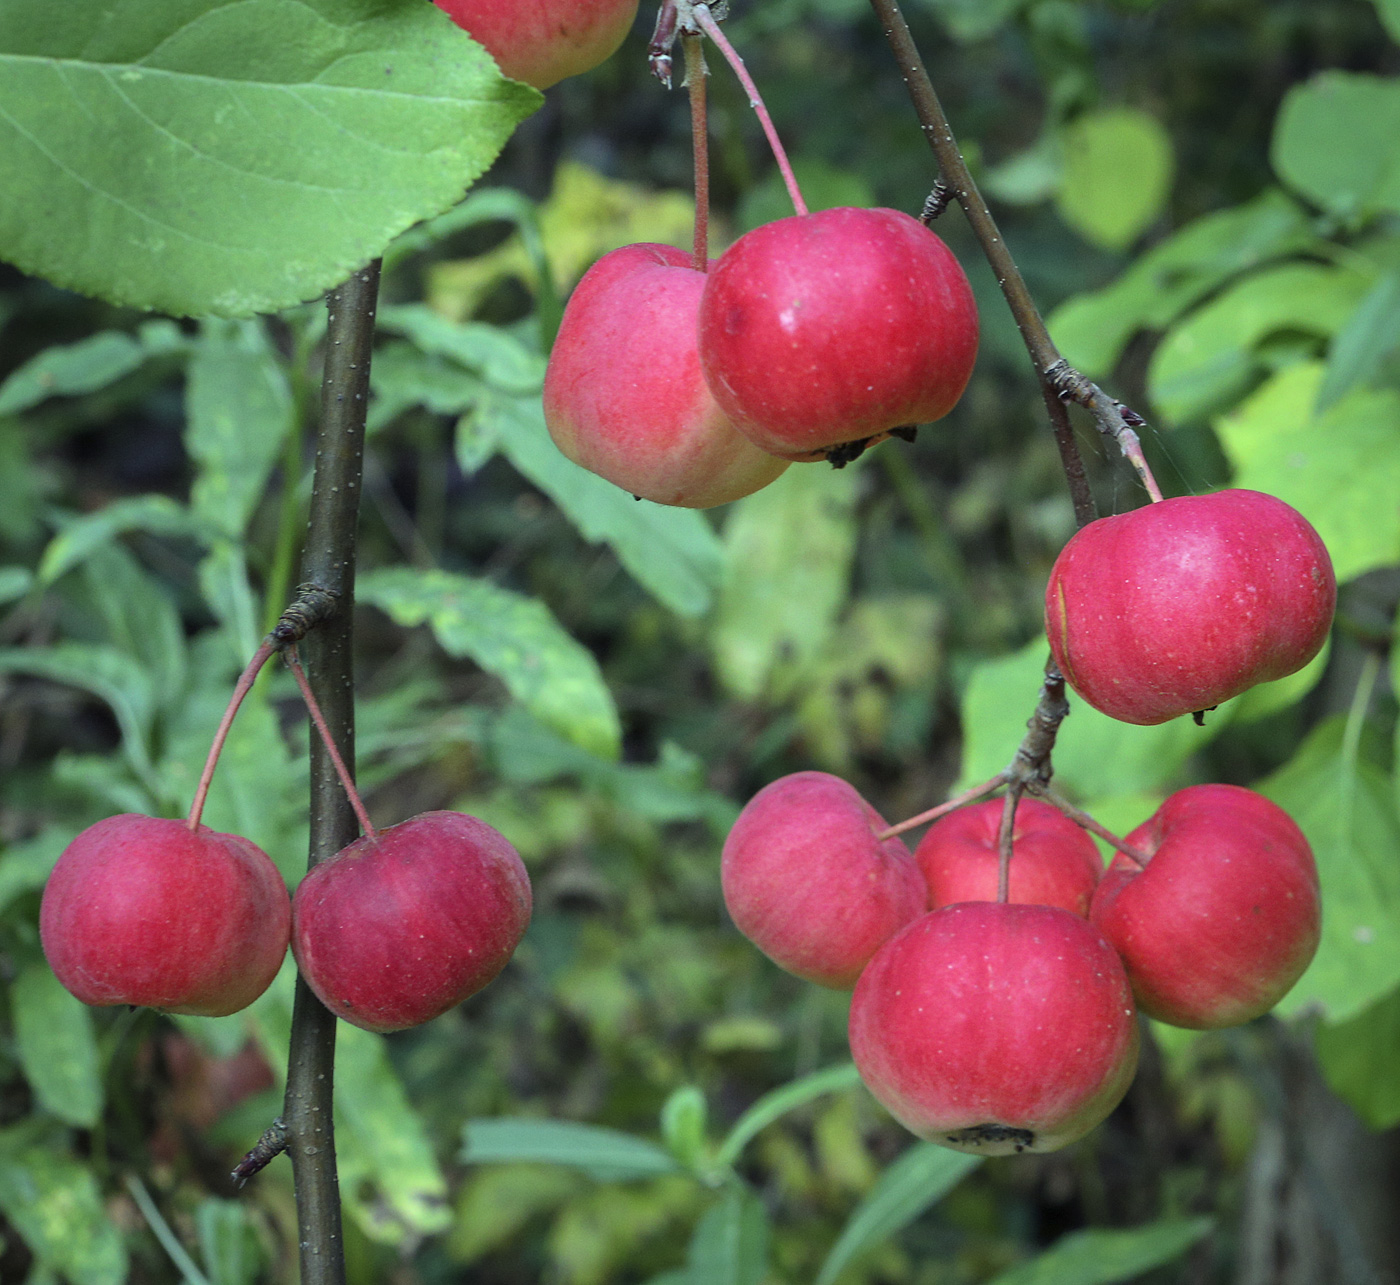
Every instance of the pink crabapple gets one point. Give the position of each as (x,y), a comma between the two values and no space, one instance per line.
(807,879)
(624,396)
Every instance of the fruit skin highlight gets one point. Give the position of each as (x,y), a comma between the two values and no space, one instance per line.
(994,1028)
(398,927)
(145,911)
(1180,605)
(543,41)
(1053,861)
(1225,917)
(808,881)
(624,396)
(832,327)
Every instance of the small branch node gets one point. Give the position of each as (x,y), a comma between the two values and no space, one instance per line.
(312,606)
(937,201)
(271,1145)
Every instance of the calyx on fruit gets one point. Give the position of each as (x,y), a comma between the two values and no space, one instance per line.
(1053,861)
(147,911)
(543,41)
(1180,605)
(827,328)
(807,879)
(404,924)
(624,396)
(996,1028)
(1225,916)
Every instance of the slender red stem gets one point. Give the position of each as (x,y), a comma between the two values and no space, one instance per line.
(1006,838)
(710,27)
(312,708)
(1131,446)
(1084,820)
(696,73)
(241,689)
(958,801)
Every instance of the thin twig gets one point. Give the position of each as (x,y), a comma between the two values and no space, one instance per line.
(1113,419)
(347,781)
(1006,838)
(241,689)
(696,73)
(1085,821)
(958,801)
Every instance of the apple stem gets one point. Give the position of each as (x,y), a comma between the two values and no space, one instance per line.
(1006,837)
(1083,819)
(958,801)
(312,708)
(705,21)
(241,689)
(695,75)
(1112,418)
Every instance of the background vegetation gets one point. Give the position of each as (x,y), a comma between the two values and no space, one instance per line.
(1204,197)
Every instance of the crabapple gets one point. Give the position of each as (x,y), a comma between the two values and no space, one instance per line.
(402,925)
(808,880)
(1224,917)
(146,911)
(1053,861)
(991,1028)
(1180,605)
(624,396)
(833,327)
(543,41)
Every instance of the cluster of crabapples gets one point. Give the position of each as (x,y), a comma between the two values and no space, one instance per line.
(994,1024)
(391,931)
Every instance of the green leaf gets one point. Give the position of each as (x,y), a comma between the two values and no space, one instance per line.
(238,406)
(672,553)
(381,1139)
(1345,807)
(1210,357)
(52,1201)
(223,582)
(1095,756)
(107,674)
(1116,176)
(24,867)
(1358,1059)
(1334,141)
(969,20)
(778,1102)
(1339,469)
(70,369)
(683,1125)
(605,1154)
(228,1242)
(253,153)
(1389,11)
(788,551)
(1092,329)
(1370,335)
(15,582)
(57,1049)
(496,355)
(1099,1257)
(154,514)
(920,1178)
(730,1244)
(513,637)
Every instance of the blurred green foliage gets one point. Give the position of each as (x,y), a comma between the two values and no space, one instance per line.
(1203,196)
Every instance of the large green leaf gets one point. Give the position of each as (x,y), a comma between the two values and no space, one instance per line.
(238,406)
(1335,142)
(1210,357)
(82,536)
(606,1154)
(1345,807)
(1371,334)
(1389,11)
(1340,468)
(920,1178)
(1092,329)
(787,561)
(495,354)
(52,1201)
(57,1048)
(67,370)
(777,1103)
(1361,1060)
(1117,175)
(515,638)
(672,553)
(1099,1257)
(234,156)
(730,1244)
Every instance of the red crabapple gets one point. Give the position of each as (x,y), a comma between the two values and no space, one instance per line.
(1180,605)
(1225,916)
(993,1028)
